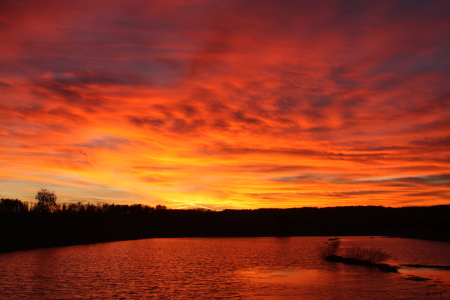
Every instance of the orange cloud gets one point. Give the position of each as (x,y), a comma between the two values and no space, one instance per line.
(224,104)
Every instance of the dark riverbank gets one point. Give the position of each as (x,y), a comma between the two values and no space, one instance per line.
(22,230)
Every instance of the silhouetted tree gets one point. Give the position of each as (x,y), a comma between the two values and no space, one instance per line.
(46,200)
(13,206)
(161,207)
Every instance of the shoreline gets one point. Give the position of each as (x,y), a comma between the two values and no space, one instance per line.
(88,224)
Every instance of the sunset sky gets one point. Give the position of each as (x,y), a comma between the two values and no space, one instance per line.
(226,104)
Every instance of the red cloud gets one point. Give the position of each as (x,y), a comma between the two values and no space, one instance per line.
(222,103)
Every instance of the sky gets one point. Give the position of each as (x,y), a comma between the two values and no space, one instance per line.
(226,103)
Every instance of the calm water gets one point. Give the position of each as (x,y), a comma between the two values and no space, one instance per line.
(220,268)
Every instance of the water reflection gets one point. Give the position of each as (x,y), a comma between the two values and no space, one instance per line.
(220,268)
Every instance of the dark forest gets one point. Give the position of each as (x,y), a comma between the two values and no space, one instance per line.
(24,226)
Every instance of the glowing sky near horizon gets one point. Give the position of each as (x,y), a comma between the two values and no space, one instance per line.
(226,104)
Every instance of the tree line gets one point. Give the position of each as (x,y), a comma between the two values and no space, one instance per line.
(46,203)
(47,223)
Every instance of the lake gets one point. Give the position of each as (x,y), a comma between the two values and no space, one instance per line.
(222,268)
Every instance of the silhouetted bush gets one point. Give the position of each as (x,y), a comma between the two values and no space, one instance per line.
(369,255)
(331,248)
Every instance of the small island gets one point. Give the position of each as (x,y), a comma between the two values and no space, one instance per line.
(369,257)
